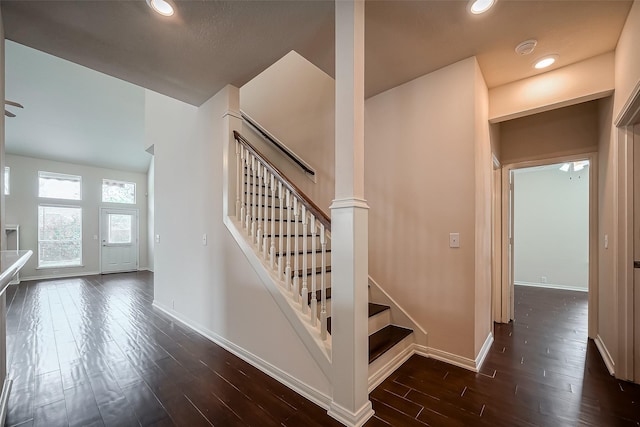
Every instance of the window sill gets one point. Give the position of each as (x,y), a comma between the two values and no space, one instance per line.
(60,267)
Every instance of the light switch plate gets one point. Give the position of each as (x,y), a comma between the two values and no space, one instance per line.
(157,238)
(454,240)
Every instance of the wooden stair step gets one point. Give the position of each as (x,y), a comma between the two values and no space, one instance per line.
(385,339)
(310,271)
(301,252)
(373,310)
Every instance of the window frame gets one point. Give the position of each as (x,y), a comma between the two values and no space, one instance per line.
(80,262)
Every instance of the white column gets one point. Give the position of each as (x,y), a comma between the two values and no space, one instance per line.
(349,225)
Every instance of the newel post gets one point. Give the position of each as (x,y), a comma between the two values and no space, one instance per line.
(349,225)
(231,120)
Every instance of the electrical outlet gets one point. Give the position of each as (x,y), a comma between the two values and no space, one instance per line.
(204,239)
(454,240)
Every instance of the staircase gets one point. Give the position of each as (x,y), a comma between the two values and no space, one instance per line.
(292,236)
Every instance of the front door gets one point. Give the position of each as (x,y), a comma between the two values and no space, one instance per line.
(119,240)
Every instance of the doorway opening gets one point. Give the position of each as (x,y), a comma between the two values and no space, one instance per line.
(549,232)
(119,240)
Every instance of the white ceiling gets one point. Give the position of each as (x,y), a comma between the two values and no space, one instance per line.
(209,44)
(72,113)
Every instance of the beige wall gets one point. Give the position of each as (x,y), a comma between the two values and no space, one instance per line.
(294,101)
(581,82)
(627,61)
(606,227)
(483,226)
(420,183)
(565,131)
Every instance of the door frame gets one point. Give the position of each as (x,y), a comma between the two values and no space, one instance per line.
(137,236)
(506,290)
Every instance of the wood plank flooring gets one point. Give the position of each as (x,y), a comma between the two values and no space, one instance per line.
(541,371)
(92,351)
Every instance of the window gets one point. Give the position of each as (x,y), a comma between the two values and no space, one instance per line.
(7,174)
(59,236)
(118,191)
(119,229)
(59,186)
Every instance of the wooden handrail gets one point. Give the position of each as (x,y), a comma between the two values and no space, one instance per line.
(306,201)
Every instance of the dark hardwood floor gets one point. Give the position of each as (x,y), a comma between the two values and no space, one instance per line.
(92,351)
(541,371)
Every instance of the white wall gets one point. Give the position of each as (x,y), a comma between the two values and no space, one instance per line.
(551,227)
(22,209)
(421,160)
(295,101)
(212,287)
(151,214)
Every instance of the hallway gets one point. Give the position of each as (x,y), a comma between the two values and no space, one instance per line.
(92,351)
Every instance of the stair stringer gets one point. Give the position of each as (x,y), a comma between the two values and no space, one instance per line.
(319,350)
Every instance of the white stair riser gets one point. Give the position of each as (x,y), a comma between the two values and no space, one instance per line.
(379,321)
(300,245)
(309,258)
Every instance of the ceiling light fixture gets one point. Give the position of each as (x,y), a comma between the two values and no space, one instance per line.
(545,62)
(526,47)
(162,7)
(481,6)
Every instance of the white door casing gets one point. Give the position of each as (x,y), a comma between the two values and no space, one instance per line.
(118,240)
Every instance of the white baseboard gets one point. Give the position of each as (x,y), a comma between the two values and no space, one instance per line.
(274,372)
(59,276)
(357,419)
(551,286)
(482,354)
(606,356)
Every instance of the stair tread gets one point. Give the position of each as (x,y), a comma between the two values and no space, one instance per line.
(385,339)
(301,252)
(373,310)
(310,271)
(318,295)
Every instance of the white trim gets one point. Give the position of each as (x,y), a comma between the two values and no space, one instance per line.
(450,358)
(274,372)
(4,399)
(60,276)
(348,203)
(482,354)
(630,110)
(549,286)
(232,113)
(606,356)
(348,418)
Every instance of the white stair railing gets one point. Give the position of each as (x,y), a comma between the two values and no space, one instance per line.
(266,197)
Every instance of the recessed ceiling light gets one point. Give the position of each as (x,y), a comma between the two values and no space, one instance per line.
(481,6)
(163,7)
(545,62)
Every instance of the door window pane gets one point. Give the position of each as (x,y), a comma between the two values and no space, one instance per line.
(119,229)
(59,236)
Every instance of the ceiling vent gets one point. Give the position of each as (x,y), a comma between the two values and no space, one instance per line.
(526,47)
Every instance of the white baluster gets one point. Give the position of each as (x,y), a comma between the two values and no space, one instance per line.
(272,249)
(241,189)
(287,270)
(258,234)
(281,200)
(255,190)
(247,207)
(304,298)
(239,175)
(265,238)
(296,277)
(323,285)
(314,299)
